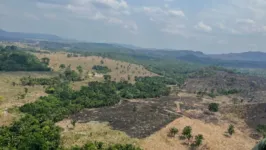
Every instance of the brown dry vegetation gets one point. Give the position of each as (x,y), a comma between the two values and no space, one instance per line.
(120,70)
(10,93)
(212,126)
(214,138)
(84,133)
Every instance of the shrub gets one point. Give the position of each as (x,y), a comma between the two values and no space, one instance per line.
(198,140)
(231,129)
(173,131)
(214,107)
(187,132)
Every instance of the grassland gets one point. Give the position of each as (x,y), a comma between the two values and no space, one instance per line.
(119,70)
(10,93)
(83,133)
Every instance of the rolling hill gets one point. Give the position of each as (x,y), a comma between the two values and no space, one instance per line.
(5,35)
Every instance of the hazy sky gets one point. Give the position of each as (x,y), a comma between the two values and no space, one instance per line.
(212,26)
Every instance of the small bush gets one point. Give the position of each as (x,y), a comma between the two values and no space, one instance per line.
(187,132)
(214,107)
(198,140)
(173,131)
(50,90)
(231,129)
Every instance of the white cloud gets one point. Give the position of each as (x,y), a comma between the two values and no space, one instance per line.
(245,21)
(115,4)
(203,27)
(176,13)
(155,10)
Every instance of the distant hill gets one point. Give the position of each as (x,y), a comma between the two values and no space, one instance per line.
(248,56)
(5,35)
(222,62)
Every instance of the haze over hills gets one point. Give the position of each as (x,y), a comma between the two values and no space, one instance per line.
(26,36)
(54,42)
(250,56)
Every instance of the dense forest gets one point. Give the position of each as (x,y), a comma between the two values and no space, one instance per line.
(12,59)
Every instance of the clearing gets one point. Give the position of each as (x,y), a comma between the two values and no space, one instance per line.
(119,70)
(10,94)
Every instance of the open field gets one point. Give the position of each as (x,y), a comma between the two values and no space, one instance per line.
(83,133)
(10,93)
(119,70)
(214,138)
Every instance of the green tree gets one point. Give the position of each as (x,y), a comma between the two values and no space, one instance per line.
(261,145)
(62,66)
(231,129)
(187,132)
(214,107)
(173,131)
(198,139)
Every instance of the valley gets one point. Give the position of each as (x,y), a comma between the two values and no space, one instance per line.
(108,98)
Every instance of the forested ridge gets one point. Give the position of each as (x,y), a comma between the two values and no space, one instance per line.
(12,59)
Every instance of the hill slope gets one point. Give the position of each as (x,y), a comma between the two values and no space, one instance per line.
(22,36)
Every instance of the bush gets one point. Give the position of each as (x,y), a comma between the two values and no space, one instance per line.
(214,107)
(262,129)
(187,132)
(173,131)
(231,129)
(101,69)
(198,140)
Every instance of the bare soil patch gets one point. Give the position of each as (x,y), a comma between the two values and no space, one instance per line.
(137,118)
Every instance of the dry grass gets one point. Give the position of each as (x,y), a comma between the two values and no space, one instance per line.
(214,138)
(83,133)
(120,70)
(10,93)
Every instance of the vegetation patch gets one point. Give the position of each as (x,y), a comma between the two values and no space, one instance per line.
(12,59)
(101,69)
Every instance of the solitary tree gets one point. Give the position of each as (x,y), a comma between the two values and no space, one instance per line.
(231,129)
(173,131)
(187,132)
(62,66)
(214,107)
(198,139)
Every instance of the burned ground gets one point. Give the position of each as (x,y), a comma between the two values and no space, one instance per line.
(138,118)
(252,89)
(253,114)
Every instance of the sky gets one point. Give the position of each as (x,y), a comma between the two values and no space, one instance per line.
(211,26)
